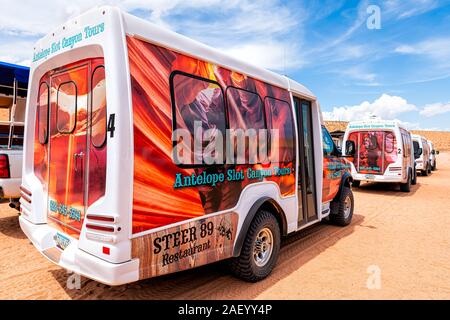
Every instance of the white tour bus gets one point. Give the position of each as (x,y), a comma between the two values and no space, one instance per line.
(384,152)
(103,191)
(422,154)
(433,153)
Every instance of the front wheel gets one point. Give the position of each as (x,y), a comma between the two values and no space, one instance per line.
(433,168)
(342,209)
(260,250)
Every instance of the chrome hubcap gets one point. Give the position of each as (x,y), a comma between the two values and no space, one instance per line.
(347,206)
(263,246)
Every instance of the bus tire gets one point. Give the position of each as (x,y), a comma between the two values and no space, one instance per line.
(342,209)
(414,179)
(425,172)
(433,168)
(406,187)
(260,249)
(429,168)
(356,183)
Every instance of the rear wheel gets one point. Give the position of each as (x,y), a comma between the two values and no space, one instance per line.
(342,209)
(425,172)
(414,179)
(406,187)
(260,250)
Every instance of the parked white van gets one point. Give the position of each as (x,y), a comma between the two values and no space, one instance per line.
(422,154)
(433,153)
(384,152)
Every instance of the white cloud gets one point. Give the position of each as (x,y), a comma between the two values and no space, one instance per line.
(385,107)
(272,55)
(406,9)
(259,32)
(434,109)
(18,52)
(438,49)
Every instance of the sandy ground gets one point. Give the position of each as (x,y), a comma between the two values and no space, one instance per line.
(398,243)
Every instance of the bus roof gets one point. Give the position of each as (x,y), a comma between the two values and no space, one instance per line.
(371,124)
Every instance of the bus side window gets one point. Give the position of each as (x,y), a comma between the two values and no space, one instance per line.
(196,102)
(328,144)
(98,113)
(279,117)
(43,113)
(245,111)
(389,141)
(66,104)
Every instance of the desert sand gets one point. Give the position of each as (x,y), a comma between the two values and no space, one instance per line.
(399,242)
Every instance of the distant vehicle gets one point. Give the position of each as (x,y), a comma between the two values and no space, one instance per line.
(433,154)
(13,93)
(422,154)
(107,194)
(384,152)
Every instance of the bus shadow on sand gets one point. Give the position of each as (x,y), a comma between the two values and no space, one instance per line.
(214,281)
(9,226)
(385,189)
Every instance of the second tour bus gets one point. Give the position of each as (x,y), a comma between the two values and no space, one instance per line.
(384,152)
(422,154)
(130,171)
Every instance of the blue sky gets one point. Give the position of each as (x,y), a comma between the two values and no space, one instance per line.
(400,71)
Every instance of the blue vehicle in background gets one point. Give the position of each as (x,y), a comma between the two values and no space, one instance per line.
(13,94)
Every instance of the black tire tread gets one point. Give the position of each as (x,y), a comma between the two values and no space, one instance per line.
(337,209)
(242,266)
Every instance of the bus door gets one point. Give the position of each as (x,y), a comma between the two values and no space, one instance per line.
(306,177)
(67,145)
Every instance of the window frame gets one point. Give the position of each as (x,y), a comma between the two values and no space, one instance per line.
(92,108)
(39,113)
(264,117)
(76,107)
(269,140)
(174,113)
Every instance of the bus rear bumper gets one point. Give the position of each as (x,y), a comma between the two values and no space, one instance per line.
(77,260)
(379,178)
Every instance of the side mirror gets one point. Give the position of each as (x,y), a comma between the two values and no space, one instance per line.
(433,152)
(437,152)
(350,148)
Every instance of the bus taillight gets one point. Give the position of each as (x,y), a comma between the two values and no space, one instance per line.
(4,166)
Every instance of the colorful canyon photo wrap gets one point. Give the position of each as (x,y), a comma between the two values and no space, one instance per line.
(216,98)
(375,150)
(70,137)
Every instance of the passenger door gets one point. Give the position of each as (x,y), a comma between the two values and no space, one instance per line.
(67,145)
(306,177)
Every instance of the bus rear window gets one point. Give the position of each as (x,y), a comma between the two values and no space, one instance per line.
(66,107)
(43,113)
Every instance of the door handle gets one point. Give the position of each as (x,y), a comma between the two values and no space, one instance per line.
(77,156)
